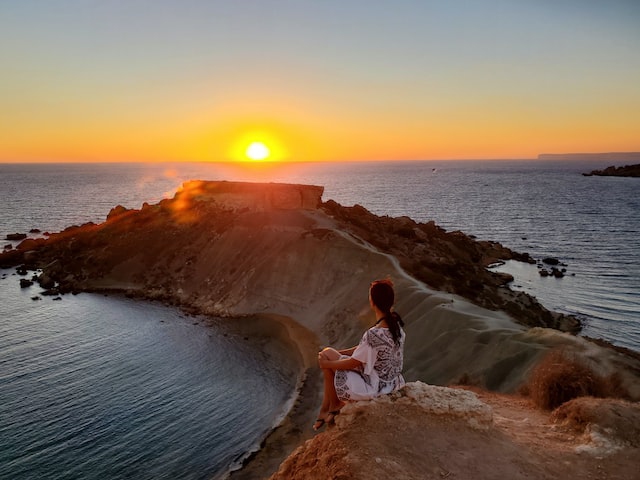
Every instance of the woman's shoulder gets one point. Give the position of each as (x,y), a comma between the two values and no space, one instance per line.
(377,335)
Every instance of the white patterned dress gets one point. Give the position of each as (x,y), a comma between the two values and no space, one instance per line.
(381,367)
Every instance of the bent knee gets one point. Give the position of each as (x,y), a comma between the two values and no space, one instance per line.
(330,353)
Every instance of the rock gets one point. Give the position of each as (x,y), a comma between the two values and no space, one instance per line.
(16,236)
(550,261)
(8,246)
(34,230)
(557,273)
(51,292)
(612,171)
(10,258)
(504,278)
(445,401)
(25,283)
(35,298)
(117,211)
(46,281)
(21,270)
(30,244)
(254,197)
(543,272)
(30,256)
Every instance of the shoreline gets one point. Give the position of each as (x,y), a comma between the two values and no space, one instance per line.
(293,427)
(292,424)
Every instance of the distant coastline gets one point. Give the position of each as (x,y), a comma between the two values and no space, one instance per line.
(616,157)
(626,171)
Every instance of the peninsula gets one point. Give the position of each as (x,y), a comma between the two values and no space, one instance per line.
(278,253)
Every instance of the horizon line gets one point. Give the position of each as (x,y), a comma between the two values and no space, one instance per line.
(264,162)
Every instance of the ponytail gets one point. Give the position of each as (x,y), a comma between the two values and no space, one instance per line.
(383,297)
(395,322)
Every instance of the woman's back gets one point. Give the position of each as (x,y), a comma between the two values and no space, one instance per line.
(389,354)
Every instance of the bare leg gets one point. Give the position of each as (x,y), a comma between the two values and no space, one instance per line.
(330,400)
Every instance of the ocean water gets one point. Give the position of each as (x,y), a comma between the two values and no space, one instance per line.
(96,387)
(59,356)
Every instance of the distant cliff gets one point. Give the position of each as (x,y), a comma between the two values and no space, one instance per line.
(616,157)
(626,171)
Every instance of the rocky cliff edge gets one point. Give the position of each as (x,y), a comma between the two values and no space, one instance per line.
(429,432)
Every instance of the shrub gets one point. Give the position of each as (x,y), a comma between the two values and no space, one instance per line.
(559,378)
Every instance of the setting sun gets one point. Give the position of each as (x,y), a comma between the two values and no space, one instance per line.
(257,151)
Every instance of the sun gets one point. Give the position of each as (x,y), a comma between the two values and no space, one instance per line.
(257,151)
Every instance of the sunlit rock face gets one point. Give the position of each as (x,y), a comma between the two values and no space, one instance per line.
(252,196)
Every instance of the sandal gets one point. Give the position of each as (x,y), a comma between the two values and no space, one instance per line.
(319,424)
(331,416)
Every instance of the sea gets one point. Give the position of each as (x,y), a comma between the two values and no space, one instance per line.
(106,387)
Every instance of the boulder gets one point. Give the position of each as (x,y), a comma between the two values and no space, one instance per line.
(46,281)
(16,236)
(51,292)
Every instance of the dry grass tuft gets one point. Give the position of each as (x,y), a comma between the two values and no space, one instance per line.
(559,378)
(618,418)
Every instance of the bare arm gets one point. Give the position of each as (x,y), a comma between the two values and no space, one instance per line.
(341,364)
(347,351)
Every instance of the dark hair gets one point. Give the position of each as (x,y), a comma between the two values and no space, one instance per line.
(383,297)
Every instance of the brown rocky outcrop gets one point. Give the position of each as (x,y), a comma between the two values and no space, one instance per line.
(427,432)
(450,261)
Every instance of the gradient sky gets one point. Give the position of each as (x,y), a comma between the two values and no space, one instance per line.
(147,80)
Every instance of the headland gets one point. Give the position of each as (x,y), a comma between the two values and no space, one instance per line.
(243,251)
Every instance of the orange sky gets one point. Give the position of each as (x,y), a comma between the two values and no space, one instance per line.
(198,82)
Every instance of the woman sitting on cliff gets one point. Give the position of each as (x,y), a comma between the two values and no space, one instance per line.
(371,368)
